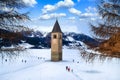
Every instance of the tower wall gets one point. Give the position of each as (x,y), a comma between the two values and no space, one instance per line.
(56,46)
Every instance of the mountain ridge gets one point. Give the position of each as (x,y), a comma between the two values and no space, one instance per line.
(43,39)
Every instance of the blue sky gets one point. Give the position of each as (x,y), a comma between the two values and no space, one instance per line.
(73,15)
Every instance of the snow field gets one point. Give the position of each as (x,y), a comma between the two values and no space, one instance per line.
(39,67)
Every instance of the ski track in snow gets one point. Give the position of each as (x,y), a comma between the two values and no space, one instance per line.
(21,69)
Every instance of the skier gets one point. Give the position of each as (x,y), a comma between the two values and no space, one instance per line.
(69,69)
(66,67)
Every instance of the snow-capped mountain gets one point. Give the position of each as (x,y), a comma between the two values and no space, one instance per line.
(39,39)
(70,40)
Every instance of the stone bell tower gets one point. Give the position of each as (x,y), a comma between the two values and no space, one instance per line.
(56,43)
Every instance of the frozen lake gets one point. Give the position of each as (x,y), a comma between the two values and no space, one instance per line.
(35,64)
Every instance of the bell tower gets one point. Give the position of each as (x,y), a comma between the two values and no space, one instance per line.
(56,43)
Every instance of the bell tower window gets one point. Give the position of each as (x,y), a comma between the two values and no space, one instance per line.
(60,37)
(54,36)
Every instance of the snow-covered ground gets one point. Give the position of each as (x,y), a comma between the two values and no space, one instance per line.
(35,64)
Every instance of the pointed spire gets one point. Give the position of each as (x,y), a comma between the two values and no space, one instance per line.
(56,27)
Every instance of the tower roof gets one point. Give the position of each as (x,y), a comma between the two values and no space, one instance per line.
(56,27)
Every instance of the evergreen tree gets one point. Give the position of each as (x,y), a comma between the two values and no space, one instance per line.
(10,17)
(109,10)
(10,21)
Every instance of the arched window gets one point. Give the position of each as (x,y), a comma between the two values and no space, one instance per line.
(54,36)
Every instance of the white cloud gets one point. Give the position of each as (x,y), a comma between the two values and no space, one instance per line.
(78,0)
(30,2)
(74,11)
(48,8)
(71,18)
(52,15)
(91,9)
(65,3)
(88,15)
(91,14)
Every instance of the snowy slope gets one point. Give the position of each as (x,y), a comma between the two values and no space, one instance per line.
(39,67)
(70,38)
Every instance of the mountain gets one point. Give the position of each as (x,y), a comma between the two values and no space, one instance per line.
(39,39)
